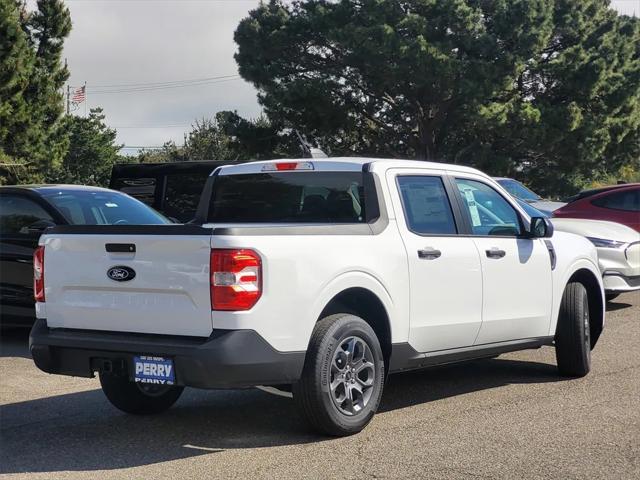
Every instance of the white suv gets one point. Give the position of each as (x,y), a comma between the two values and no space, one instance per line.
(321,276)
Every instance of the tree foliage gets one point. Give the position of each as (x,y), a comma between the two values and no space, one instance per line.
(92,151)
(228,137)
(546,86)
(32,76)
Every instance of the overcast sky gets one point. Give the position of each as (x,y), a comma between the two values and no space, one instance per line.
(116,42)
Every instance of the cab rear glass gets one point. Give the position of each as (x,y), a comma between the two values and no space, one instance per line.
(289,197)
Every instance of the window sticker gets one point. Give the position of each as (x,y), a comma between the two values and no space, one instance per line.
(473,207)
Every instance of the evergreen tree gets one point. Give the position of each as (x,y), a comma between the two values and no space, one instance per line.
(16,65)
(32,78)
(549,88)
(92,151)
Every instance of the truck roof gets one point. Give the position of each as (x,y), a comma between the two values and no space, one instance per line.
(345,164)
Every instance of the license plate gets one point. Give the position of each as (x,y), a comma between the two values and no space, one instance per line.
(153,370)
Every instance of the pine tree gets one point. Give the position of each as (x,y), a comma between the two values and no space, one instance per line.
(91,154)
(16,66)
(32,76)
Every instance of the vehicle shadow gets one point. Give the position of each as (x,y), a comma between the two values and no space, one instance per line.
(82,432)
(14,342)
(617,305)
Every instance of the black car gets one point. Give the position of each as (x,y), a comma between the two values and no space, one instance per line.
(171,188)
(27,211)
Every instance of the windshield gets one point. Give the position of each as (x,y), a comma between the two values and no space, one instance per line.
(99,207)
(518,190)
(531,211)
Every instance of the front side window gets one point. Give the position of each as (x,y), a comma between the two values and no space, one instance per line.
(288,197)
(18,213)
(488,212)
(426,205)
(629,201)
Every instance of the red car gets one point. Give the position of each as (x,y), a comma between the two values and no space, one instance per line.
(617,203)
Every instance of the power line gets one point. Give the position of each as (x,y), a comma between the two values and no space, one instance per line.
(168,82)
(106,91)
(152,126)
(140,147)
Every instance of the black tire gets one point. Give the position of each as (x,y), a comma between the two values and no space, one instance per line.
(611,296)
(332,339)
(138,398)
(573,339)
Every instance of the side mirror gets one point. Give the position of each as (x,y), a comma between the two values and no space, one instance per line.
(37,227)
(541,228)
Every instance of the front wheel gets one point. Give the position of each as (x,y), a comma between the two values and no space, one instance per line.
(343,376)
(138,398)
(573,337)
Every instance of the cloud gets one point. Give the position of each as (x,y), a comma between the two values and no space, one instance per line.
(124,42)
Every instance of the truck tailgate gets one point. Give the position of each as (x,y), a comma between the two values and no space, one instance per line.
(168,293)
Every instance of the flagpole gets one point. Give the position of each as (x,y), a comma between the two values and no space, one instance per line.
(85,99)
(68,98)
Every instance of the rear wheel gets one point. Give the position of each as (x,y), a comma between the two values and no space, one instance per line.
(573,338)
(138,398)
(341,384)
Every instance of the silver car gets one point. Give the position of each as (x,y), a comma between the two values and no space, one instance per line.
(519,191)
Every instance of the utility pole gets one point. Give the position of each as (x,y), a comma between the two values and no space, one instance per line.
(68,87)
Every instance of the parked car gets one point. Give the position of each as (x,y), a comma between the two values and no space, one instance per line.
(616,203)
(27,211)
(324,276)
(618,249)
(518,190)
(171,188)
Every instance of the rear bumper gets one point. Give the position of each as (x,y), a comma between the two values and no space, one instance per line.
(226,359)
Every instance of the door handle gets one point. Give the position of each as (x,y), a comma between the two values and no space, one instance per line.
(429,253)
(495,253)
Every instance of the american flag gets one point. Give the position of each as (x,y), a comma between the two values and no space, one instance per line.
(78,95)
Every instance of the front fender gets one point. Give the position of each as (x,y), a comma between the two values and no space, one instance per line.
(573,253)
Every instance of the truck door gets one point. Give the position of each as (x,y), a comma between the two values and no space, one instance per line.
(444,267)
(516,270)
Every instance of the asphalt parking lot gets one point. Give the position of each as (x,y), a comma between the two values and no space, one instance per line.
(508,417)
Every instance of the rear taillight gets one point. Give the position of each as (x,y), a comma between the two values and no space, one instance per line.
(236,279)
(38,274)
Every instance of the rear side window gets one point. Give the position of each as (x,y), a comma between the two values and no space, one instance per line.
(426,205)
(628,200)
(289,197)
(17,213)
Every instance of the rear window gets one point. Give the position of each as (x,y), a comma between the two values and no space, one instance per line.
(182,194)
(144,189)
(289,197)
(628,200)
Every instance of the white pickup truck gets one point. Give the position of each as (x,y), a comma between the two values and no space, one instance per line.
(320,276)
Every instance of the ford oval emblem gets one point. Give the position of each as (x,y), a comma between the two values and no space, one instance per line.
(121,273)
